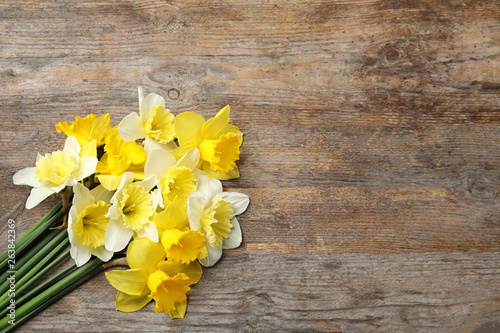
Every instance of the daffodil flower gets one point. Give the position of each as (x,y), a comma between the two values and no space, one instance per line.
(150,277)
(87,223)
(87,129)
(174,179)
(154,124)
(181,244)
(218,142)
(53,172)
(212,212)
(120,156)
(132,207)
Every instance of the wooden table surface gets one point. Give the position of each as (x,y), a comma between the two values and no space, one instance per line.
(371,153)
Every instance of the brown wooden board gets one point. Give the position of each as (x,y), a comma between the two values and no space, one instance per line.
(371,153)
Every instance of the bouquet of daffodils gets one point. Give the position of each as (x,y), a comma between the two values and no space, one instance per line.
(146,194)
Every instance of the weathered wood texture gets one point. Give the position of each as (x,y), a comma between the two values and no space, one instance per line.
(372,138)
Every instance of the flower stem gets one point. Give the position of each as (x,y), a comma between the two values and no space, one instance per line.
(52,294)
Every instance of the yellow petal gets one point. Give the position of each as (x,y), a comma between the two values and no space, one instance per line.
(215,125)
(193,270)
(233,129)
(143,253)
(180,310)
(100,127)
(188,128)
(131,281)
(222,153)
(110,182)
(232,174)
(131,303)
(89,149)
(182,246)
(174,216)
(168,290)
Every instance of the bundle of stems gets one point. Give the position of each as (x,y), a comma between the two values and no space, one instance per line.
(39,251)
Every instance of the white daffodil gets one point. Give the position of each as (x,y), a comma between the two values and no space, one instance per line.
(53,172)
(87,223)
(132,207)
(154,124)
(212,212)
(174,179)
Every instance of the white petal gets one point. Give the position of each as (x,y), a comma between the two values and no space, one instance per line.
(158,163)
(26,177)
(239,201)
(81,198)
(234,237)
(195,207)
(113,213)
(207,187)
(154,99)
(101,193)
(87,167)
(148,183)
(38,156)
(37,195)
(190,159)
(151,144)
(157,199)
(117,236)
(149,231)
(130,128)
(127,178)
(214,254)
(72,217)
(102,253)
(71,146)
(80,253)
(143,108)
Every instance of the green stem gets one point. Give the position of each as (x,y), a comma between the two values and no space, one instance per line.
(51,294)
(4,256)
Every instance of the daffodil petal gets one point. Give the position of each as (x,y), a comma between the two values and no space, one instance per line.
(231,128)
(215,125)
(109,182)
(190,159)
(233,239)
(117,236)
(131,281)
(158,163)
(195,207)
(102,253)
(153,99)
(127,178)
(151,144)
(81,254)
(239,201)
(71,145)
(193,270)
(180,310)
(87,167)
(130,303)
(113,213)
(143,253)
(214,254)
(130,128)
(148,183)
(89,149)
(188,126)
(143,107)
(37,195)
(26,176)
(101,193)
(207,187)
(232,174)
(149,231)
(81,197)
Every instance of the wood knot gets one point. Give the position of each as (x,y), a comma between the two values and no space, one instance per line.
(392,53)
(174,93)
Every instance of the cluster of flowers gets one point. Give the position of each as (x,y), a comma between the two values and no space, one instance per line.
(159,196)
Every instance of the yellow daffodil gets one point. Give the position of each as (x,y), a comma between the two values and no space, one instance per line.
(87,223)
(212,212)
(120,156)
(174,179)
(154,123)
(132,208)
(181,244)
(53,172)
(150,277)
(87,129)
(218,142)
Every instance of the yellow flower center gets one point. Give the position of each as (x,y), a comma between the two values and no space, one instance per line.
(178,182)
(57,167)
(216,221)
(159,125)
(222,154)
(90,225)
(167,290)
(182,246)
(136,206)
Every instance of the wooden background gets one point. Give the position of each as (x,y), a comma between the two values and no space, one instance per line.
(371,153)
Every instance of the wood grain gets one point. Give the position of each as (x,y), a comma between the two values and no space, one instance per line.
(372,139)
